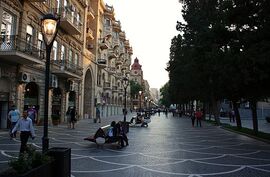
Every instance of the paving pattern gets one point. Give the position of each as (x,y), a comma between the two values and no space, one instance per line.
(169,147)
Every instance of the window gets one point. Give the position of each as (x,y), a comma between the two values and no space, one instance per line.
(76,60)
(54,50)
(70,55)
(40,44)
(107,22)
(63,53)
(99,77)
(29,37)
(8,27)
(57,5)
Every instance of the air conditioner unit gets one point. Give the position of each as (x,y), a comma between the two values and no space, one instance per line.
(24,77)
(53,81)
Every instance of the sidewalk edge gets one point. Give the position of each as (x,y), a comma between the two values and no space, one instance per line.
(251,136)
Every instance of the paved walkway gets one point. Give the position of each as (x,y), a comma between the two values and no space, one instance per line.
(169,147)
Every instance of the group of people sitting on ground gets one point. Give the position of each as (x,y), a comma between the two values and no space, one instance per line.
(116,133)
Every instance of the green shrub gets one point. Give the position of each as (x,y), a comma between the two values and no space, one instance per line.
(29,160)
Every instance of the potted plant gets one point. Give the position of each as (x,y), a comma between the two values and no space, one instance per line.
(267,118)
(30,164)
(55,119)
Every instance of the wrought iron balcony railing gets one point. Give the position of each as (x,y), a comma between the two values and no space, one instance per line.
(9,43)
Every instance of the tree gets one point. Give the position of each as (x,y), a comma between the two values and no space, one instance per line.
(134,88)
(165,97)
(222,52)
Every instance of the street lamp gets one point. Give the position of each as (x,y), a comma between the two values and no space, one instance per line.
(140,94)
(49,26)
(125,85)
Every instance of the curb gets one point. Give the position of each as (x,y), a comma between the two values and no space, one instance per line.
(248,135)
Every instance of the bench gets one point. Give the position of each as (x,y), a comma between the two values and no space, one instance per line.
(100,136)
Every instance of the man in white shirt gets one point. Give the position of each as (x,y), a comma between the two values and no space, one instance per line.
(13,116)
(25,126)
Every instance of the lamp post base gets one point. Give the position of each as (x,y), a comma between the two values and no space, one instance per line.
(45,144)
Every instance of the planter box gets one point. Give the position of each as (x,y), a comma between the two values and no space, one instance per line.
(41,171)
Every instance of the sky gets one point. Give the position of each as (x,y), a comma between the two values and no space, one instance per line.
(149,26)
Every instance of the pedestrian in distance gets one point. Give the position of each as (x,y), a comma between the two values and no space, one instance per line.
(192,116)
(73,115)
(68,117)
(32,114)
(198,116)
(98,115)
(13,116)
(121,132)
(232,117)
(25,126)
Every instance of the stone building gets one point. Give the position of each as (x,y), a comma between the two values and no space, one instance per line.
(89,58)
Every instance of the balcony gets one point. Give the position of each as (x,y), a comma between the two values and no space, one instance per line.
(103,44)
(119,74)
(122,35)
(109,11)
(16,50)
(117,26)
(111,54)
(66,69)
(90,12)
(89,33)
(114,89)
(107,85)
(118,62)
(126,43)
(69,23)
(111,70)
(102,63)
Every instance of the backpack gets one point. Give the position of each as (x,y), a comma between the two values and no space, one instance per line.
(110,132)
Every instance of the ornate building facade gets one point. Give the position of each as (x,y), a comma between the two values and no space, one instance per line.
(89,58)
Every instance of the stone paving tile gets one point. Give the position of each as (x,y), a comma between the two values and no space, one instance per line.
(169,147)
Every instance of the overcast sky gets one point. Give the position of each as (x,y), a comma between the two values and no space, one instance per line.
(149,26)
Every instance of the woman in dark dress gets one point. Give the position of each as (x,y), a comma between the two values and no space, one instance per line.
(73,116)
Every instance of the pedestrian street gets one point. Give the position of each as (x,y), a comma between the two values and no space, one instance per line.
(169,147)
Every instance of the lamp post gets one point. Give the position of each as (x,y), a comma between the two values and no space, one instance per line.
(49,26)
(140,97)
(125,85)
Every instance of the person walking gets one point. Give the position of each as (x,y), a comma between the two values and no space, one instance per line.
(198,115)
(13,116)
(25,126)
(192,116)
(121,132)
(32,114)
(68,117)
(98,115)
(73,118)
(232,117)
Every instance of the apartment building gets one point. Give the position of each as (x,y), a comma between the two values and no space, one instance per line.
(89,58)
(113,57)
